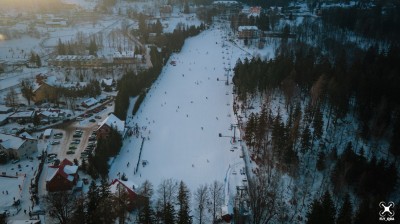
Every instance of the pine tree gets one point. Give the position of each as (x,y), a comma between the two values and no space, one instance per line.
(329,211)
(61,48)
(78,215)
(36,119)
(104,190)
(277,135)
(186,7)
(146,212)
(321,161)
(346,212)
(364,214)
(169,214)
(38,61)
(314,214)
(32,58)
(250,130)
(306,140)
(183,216)
(158,28)
(395,139)
(93,47)
(318,124)
(27,90)
(93,200)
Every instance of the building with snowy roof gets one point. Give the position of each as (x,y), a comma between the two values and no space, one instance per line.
(77,61)
(62,177)
(111,122)
(50,115)
(107,82)
(124,58)
(165,10)
(249,32)
(226,3)
(4,118)
(89,102)
(117,186)
(26,135)
(5,110)
(22,116)
(46,88)
(254,11)
(17,147)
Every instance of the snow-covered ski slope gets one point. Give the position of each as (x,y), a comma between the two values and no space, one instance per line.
(182,116)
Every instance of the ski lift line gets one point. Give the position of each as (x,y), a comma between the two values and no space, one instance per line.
(140,155)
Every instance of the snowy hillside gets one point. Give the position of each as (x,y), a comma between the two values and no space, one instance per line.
(182,116)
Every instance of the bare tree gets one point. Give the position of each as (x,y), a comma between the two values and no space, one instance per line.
(317,90)
(11,98)
(60,206)
(201,197)
(216,194)
(122,204)
(264,198)
(27,90)
(167,192)
(146,189)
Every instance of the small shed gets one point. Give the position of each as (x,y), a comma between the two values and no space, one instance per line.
(47,133)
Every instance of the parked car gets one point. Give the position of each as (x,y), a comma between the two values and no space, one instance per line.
(97,117)
(55,143)
(77,135)
(70,152)
(79,118)
(92,120)
(58,137)
(84,153)
(51,155)
(73,147)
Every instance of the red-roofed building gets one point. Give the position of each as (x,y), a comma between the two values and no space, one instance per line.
(110,122)
(117,185)
(62,177)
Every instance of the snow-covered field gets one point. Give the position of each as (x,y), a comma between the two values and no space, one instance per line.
(182,116)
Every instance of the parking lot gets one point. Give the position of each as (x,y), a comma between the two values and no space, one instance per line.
(74,138)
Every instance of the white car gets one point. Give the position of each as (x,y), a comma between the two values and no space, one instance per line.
(55,143)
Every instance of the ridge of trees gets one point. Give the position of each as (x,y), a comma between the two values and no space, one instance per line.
(169,204)
(132,84)
(380,21)
(369,84)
